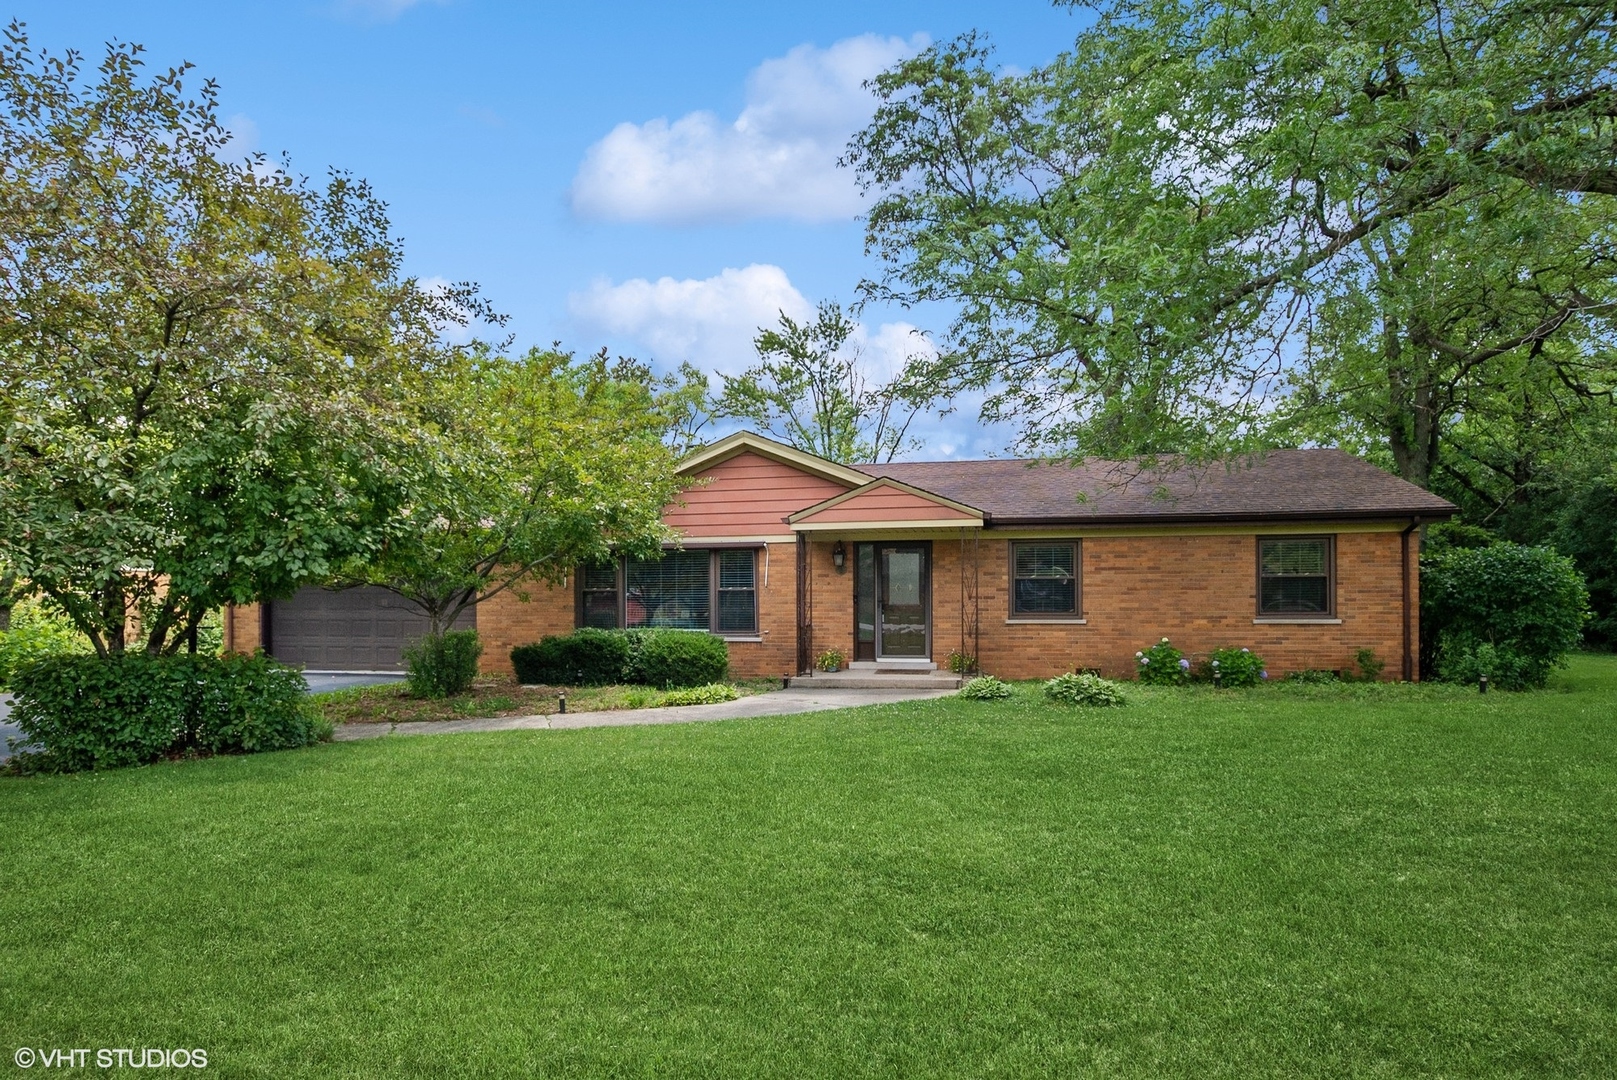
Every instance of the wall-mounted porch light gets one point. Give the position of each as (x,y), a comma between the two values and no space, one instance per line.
(839,557)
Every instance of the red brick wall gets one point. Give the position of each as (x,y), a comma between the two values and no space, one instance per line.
(1198,590)
(508,620)
(520,617)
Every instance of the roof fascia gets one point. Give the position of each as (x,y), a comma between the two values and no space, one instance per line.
(744,441)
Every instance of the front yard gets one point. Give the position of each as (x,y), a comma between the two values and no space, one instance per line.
(1295,881)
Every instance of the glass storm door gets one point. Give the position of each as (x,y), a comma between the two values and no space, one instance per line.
(901,601)
(864,601)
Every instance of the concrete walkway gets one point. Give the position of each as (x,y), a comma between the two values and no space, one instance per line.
(774,703)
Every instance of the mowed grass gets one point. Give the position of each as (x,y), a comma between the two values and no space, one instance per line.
(1333,881)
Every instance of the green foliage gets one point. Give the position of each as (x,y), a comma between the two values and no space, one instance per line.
(809,390)
(1402,211)
(1508,611)
(1233,667)
(665,659)
(830,660)
(711,694)
(1312,677)
(586,657)
(986,688)
(961,663)
(1162,665)
(89,712)
(1370,665)
(36,632)
(521,469)
(1457,534)
(1587,533)
(201,357)
(1084,689)
(672,659)
(442,665)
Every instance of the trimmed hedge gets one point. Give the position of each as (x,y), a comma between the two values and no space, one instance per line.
(666,659)
(675,659)
(86,712)
(1507,611)
(586,657)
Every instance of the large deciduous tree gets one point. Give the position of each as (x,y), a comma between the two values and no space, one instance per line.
(524,468)
(1212,225)
(198,355)
(810,388)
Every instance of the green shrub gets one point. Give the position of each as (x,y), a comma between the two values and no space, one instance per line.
(1234,667)
(829,660)
(1162,665)
(711,694)
(89,712)
(671,659)
(1312,676)
(1083,689)
(586,657)
(37,631)
(986,688)
(1507,611)
(442,665)
(1370,665)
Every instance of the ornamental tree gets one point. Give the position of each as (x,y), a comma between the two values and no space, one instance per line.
(1210,226)
(199,357)
(524,468)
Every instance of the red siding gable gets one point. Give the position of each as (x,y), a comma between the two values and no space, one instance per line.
(747,495)
(889,504)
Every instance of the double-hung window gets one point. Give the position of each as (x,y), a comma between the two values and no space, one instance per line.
(1044,581)
(1295,576)
(715,591)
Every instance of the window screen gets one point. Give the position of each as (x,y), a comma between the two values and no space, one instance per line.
(672,591)
(599,585)
(738,592)
(1294,576)
(1046,579)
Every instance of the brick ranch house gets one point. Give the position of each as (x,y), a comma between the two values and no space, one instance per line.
(1304,556)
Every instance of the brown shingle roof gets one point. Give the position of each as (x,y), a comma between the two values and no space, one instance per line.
(1279,485)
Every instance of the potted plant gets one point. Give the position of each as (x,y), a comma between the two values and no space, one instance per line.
(830,660)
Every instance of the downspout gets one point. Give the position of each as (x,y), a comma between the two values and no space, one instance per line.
(1403,540)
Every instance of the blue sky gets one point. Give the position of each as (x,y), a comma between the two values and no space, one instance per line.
(652,177)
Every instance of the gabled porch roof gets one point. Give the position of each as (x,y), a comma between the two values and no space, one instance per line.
(886,504)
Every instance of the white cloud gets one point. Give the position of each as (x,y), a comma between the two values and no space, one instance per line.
(710,322)
(777,159)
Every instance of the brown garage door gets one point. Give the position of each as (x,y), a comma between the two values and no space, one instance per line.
(348,630)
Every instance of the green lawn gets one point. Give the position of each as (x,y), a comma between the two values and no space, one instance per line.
(1352,881)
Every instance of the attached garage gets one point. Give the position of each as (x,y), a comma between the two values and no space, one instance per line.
(363,629)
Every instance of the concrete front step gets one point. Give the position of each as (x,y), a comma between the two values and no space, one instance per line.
(867,680)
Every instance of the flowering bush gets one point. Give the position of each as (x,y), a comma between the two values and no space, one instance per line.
(1083,689)
(986,688)
(1234,667)
(1162,665)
